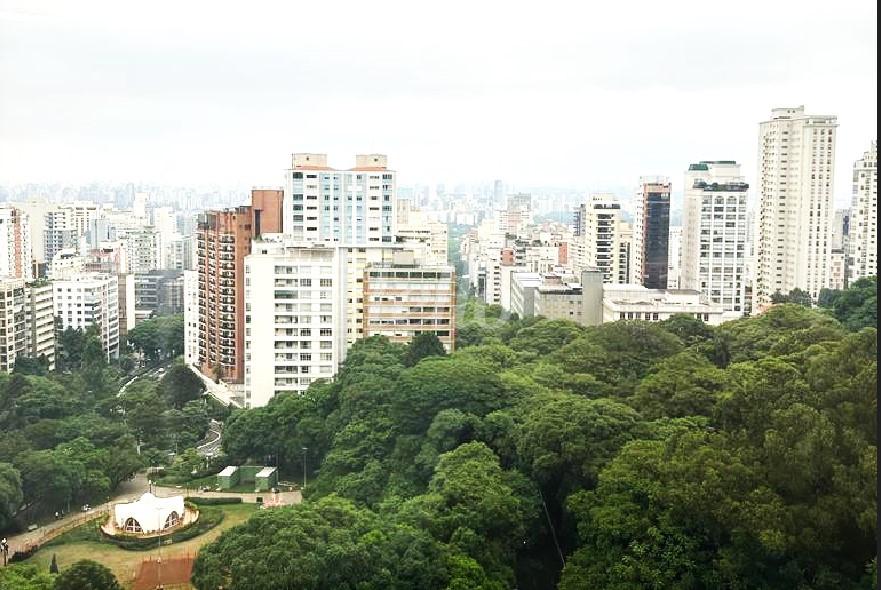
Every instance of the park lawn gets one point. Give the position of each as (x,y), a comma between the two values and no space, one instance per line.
(124,563)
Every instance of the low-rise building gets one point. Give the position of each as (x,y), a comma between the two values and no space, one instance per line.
(635,302)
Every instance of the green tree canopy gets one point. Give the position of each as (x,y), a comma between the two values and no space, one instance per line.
(86,575)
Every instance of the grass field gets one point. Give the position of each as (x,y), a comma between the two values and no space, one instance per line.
(124,563)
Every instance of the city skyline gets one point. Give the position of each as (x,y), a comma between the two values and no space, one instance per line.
(591,101)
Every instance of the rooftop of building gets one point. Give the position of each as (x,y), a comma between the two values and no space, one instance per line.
(705,164)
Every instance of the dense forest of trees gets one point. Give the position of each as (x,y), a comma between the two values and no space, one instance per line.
(69,439)
(544,454)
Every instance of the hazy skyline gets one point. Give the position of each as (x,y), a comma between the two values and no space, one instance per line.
(561,94)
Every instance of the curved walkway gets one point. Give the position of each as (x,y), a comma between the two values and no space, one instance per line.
(126,491)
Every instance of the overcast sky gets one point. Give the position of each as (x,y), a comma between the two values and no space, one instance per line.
(587,94)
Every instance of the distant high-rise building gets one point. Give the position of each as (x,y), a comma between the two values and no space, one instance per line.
(498,192)
(651,233)
(520,202)
(714,233)
(356,206)
(795,172)
(840,260)
(864,215)
(600,237)
(16,259)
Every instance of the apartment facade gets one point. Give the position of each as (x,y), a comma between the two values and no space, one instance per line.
(12,322)
(223,241)
(795,174)
(40,321)
(191,318)
(90,299)
(345,206)
(863,242)
(714,234)
(159,293)
(598,227)
(402,300)
(16,258)
(651,232)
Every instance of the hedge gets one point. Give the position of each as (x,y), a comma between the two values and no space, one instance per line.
(214,501)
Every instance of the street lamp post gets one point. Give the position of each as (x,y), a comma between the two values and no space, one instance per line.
(159,550)
(304,466)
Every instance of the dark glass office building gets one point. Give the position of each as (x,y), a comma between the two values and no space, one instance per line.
(655,233)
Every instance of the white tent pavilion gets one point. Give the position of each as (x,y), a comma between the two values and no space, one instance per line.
(149,514)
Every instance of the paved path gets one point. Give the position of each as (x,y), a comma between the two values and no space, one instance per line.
(128,489)
(131,490)
(213,438)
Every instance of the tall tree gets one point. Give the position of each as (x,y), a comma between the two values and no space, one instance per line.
(181,385)
(86,574)
(423,345)
(10,494)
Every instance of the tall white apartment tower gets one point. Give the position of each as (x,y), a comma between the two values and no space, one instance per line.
(356,206)
(864,215)
(714,233)
(795,173)
(599,221)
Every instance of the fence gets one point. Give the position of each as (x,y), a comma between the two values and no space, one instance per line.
(33,544)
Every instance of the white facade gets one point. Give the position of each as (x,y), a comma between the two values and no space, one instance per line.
(149,514)
(795,172)
(143,247)
(66,264)
(864,216)
(355,206)
(12,323)
(90,299)
(674,258)
(191,317)
(714,234)
(304,305)
(635,302)
(599,222)
(40,321)
(415,226)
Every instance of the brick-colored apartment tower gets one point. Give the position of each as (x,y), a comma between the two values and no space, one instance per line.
(223,240)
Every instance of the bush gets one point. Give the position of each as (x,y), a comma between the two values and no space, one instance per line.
(23,555)
(217,500)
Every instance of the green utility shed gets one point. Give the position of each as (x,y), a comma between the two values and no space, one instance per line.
(266,479)
(228,478)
